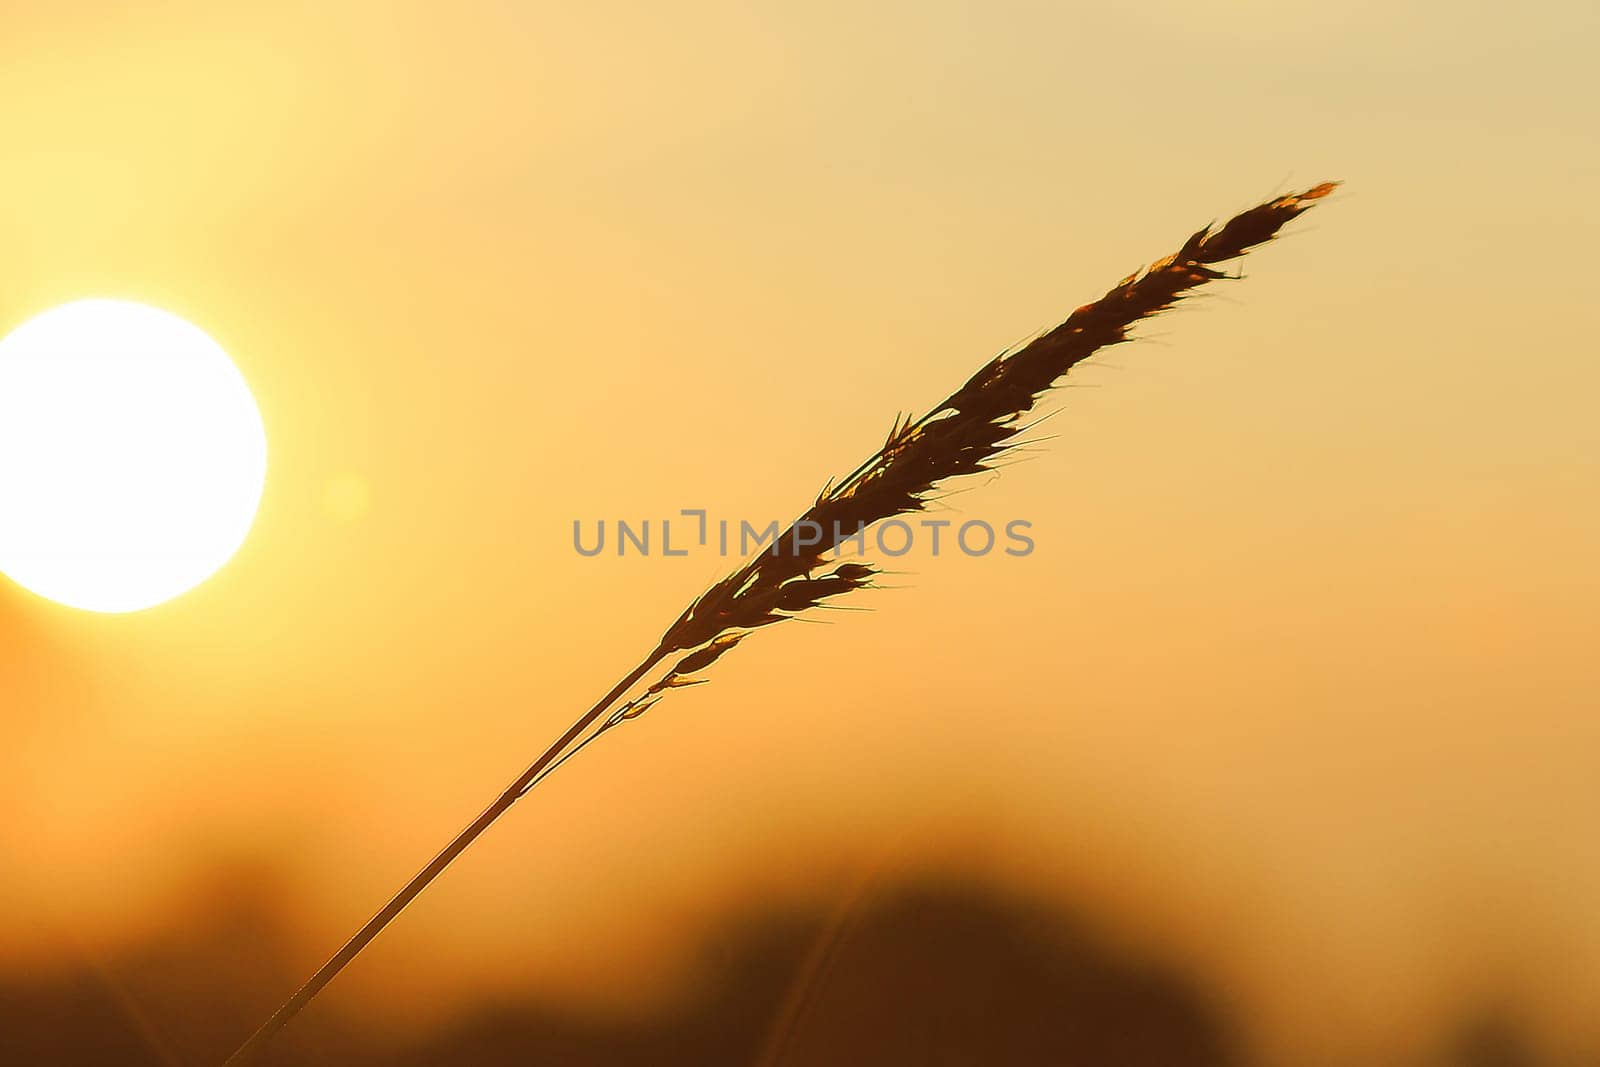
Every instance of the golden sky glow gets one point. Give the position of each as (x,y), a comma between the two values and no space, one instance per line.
(1298,682)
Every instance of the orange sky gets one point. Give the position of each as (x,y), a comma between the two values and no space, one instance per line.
(1299,682)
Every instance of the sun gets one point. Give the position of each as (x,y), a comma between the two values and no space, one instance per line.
(132,456)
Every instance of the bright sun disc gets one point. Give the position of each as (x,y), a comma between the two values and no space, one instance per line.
(132,456)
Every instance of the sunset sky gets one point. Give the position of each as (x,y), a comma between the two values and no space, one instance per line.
(1298,686)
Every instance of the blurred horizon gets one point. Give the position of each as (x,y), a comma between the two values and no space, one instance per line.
(896,967)
(1296,695)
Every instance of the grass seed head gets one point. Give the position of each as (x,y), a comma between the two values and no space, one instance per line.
(961,436)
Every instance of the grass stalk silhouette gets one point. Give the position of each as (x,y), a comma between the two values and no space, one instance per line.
(977,423)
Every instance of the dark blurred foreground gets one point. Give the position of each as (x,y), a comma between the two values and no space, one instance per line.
(931,973)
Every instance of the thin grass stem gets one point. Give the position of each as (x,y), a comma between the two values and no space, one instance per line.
(251,1049)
